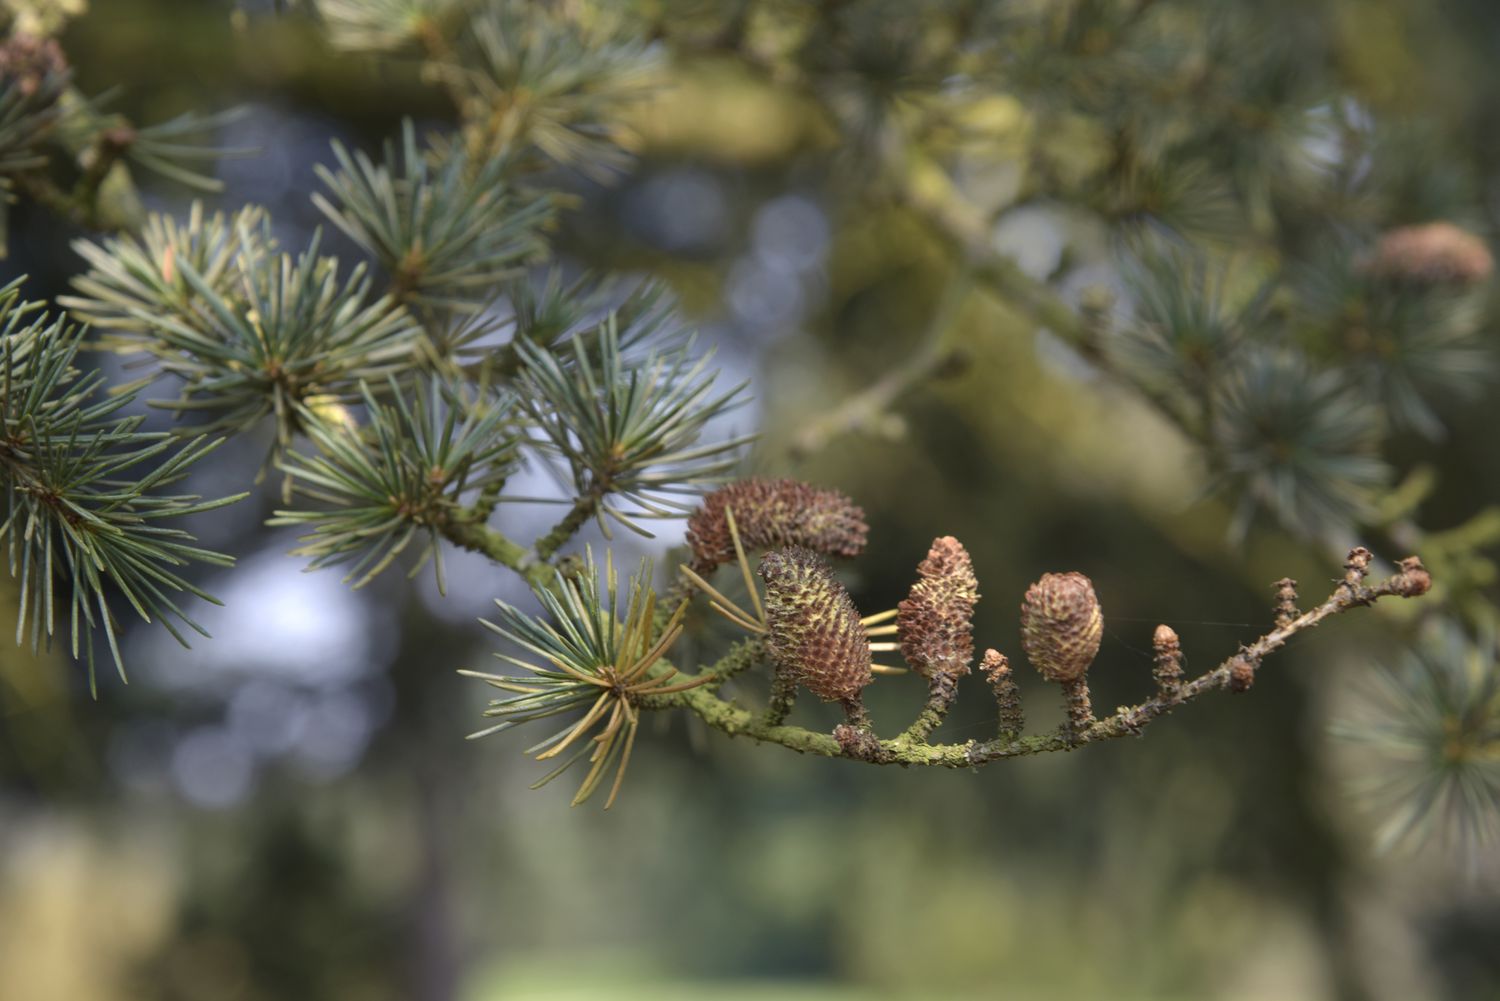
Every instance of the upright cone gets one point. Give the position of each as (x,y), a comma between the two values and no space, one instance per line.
(813,628)
(934,621)
(1061,626)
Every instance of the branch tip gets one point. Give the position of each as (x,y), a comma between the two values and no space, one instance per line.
(1286,602)
(1168,667)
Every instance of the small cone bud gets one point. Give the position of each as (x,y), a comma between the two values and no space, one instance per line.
(996,668)
(1241,675)
(814,630)
(934,621)
(1168,669)
(772,514)
(1357,565)
(1286,602)
(1061,626)
(1413,579)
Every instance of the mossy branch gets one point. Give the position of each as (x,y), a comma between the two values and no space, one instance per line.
(467,530)
(584,508)
(912,748)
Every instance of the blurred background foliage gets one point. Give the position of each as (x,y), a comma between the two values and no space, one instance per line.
(288,812)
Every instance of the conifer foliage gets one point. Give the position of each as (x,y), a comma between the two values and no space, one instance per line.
(1267,303)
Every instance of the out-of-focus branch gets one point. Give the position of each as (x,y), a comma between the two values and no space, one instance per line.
(862,410)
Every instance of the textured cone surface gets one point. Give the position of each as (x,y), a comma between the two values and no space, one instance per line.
(814,628)
(1061,625)
(771,514)
(935,620)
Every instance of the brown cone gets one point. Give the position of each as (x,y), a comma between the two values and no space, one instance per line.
(1061,625)
(814,630)
(934,621)
(771,514)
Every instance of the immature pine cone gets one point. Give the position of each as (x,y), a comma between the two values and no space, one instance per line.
(771,514)
(934,622)
(814,628)
(1061,626)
